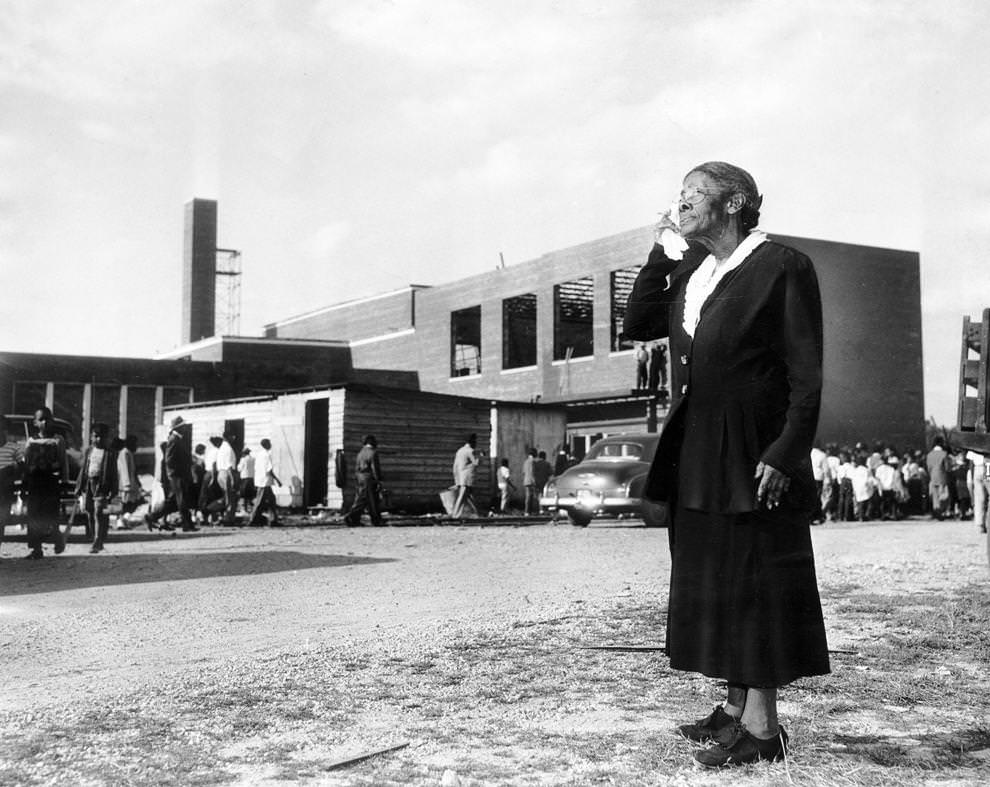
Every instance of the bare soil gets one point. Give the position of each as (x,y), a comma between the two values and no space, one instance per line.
(492,654)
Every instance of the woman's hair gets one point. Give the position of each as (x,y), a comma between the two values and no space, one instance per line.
(730,179)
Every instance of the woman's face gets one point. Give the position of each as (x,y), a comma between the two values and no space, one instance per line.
(702,212)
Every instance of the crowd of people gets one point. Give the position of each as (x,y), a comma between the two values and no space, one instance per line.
(212,484)
(460,500)
(536,472)
(861,483)
(206,485)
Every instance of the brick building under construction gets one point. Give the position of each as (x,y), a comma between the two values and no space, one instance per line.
(543,333)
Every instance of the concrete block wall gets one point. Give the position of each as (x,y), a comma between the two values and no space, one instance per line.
(428,349)
(378,315)
(872,308)
(379,339)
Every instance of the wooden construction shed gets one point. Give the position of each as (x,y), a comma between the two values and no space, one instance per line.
(418,434)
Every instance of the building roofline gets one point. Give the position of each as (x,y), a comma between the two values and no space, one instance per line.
(359,386)
(349,303)
(832,242)
(215,402)
(212,341)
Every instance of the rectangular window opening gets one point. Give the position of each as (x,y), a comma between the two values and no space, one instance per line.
(519,331)
(573,326)
(465,342)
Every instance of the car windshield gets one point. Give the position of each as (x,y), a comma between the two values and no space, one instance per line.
(616,451)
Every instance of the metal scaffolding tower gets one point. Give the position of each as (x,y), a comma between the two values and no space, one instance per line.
(228,292)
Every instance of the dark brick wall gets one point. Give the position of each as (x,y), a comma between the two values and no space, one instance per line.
(873,371)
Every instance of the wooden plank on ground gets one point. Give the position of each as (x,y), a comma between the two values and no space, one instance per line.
(366,755)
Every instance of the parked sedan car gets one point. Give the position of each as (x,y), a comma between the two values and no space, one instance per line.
(609,481)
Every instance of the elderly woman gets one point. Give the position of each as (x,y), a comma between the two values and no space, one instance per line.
(743,317)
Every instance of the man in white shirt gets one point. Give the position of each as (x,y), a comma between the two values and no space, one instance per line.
(465,461)
(226,464)
(245,478)
(264,480)
(531,501)
(505,486)
(887,475)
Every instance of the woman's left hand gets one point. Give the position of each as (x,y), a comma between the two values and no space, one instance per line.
(772,485)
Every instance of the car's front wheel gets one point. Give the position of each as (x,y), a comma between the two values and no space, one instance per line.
(579,518)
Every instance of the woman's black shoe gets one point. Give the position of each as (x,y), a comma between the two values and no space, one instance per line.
(742,748)
(706,729)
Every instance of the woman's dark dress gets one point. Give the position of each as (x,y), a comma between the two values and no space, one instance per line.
(744,603)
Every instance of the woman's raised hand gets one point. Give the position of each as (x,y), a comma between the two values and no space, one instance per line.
(665,223)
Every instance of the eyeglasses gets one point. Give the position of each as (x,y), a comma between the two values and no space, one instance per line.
(694,197)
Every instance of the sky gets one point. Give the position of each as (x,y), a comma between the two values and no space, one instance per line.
(358,146)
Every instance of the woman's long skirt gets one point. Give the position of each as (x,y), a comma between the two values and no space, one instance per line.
(744,603)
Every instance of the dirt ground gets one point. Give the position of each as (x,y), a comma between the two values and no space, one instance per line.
(155,604)
(156,613)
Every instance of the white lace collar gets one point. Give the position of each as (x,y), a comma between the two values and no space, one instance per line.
(706,277)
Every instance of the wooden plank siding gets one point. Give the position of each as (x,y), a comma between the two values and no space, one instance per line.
(209,420)
(259,422)
(418,434)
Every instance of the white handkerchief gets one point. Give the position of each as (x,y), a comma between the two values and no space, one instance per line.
(673,244)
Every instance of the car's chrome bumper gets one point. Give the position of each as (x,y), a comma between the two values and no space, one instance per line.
(595,501)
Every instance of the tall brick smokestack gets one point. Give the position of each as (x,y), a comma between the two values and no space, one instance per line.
(199,270)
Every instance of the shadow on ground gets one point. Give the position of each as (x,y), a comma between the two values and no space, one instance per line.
(932,750)
(71,571)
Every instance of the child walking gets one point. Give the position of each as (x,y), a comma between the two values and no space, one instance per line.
(97,483)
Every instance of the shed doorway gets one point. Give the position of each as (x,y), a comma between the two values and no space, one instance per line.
(233,430)
(317,452)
